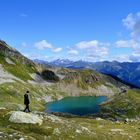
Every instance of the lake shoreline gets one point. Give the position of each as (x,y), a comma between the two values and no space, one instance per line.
(76,106)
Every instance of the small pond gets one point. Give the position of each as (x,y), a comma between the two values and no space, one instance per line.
(83,105)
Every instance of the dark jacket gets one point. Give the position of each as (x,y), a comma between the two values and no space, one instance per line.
(26,99)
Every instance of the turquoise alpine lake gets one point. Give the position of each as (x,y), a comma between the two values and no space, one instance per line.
(83,105)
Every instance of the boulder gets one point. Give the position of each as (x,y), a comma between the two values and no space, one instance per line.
(126,120)
(22,117)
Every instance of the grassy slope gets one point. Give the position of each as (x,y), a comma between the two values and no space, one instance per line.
(69,128)
(11,95)
(103,130)
(127,102)
(19,70)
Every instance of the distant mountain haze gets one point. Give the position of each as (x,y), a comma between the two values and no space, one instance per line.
(126,71)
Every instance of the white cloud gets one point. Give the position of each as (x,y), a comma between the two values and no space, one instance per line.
(94,44)
(42,45)
(87,44)
(135,45)
(129,21)
(98,52)
(73,52)
(57,49)
(135,57)
(122,44)
(121,58)
(132,22)
(126,44)
(90,59)
(94,50)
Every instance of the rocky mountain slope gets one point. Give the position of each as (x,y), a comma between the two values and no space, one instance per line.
(126,71)
(19,74)
(88,82)
(15,66)
(12,62)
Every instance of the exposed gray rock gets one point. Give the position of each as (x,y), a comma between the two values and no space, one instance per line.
(7,77)
(126,120)
(22,117)
(9,61)
(2,108)
(56,131)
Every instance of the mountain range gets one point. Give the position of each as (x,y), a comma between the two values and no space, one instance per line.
(126,71)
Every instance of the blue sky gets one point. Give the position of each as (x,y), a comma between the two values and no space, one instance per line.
(91,30)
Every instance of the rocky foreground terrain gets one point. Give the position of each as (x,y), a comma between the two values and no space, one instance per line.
(17,125)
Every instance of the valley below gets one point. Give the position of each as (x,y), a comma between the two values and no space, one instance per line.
(108,124)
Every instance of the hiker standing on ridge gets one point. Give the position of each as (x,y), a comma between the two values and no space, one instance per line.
(26,101)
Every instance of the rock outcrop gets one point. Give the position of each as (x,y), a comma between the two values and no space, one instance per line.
(22,117)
